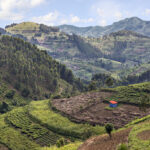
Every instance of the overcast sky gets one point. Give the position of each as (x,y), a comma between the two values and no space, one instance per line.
(74,12)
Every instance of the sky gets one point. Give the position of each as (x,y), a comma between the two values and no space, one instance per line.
(74,12)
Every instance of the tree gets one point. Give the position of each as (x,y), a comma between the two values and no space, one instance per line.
(109,81)
(4,107)
(92,86)
(144,102)
(109,129)
(60,142)
(10,94)
(25,92)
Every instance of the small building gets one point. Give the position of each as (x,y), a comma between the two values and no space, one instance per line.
(113,104)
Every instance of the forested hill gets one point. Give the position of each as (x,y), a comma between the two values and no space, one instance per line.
(118,51)
(33,72)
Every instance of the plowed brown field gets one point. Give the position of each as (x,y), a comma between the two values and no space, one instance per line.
(89,107)
(104,142)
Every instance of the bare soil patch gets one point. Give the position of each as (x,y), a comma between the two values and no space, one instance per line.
(2,147)
(105,143)
(145,135)
(90,108)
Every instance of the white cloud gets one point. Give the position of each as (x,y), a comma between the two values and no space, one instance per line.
(48,19)
(118,15)
(100,12)
(36,2)
(147,12)
(102,22)
(57,18)
(107,12)
(15,9)
(75,19)
(10,16)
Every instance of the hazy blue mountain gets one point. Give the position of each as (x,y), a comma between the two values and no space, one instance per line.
(132,24)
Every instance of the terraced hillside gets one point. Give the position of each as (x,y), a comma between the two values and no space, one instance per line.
(135,137)
(94,108)
(36,126)
(87,56)
(39,125)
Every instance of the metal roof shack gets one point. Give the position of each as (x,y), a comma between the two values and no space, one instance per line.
(113,104)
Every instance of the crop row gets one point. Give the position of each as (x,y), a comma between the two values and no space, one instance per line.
(20,119)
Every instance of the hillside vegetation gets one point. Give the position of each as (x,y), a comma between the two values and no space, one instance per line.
(114,53)
(33,73)
(132,24)
(38,126)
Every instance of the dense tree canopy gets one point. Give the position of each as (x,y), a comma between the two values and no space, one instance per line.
(31,71)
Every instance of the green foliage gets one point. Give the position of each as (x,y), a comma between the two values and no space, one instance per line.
(60,142)
(109,82)
(71,146)
(10,94)
(134,142)
(92,86)
(13,139)
(20,119)
(133,94)
(109,128)
(144,102)
(25,92)
(4,107)
(41,112)
(122,147)
(31,71)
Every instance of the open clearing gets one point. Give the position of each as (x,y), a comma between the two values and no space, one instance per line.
(145,135)
(90,108)
(2,147)
(105,143)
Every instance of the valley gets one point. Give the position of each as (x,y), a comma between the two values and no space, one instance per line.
(57,83)
(114,53)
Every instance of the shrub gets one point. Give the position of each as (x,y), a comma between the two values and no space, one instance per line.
(10,94)
(122,147)
(109,129)
(60,142)
(25,92)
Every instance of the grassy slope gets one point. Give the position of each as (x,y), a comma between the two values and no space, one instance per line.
(131,93)
(54,121)
(13,138)
(134,142)
(72,146)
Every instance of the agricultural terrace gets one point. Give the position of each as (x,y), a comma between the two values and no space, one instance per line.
(41,111)
(93,107)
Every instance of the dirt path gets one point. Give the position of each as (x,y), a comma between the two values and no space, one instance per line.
(105,143)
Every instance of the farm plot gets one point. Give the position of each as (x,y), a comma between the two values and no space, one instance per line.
(90,108)
(103,142)
(19,119)
(139,138)
(41,111)
(13,139)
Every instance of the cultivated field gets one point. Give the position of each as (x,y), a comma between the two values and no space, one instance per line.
(91,108)
(105,143)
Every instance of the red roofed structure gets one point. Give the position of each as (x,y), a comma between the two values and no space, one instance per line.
(113,104)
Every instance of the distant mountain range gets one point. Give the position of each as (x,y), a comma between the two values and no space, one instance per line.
(116,52)
(132,24)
